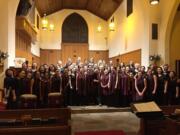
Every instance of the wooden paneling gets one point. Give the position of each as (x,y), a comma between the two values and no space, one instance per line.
(74,50)
(101,8)
(24,26)
(73,4)
(126,58)
(97,55)
(50,56)
(69,51)
(23,46)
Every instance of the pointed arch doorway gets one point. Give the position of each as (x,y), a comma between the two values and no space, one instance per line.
(74,38)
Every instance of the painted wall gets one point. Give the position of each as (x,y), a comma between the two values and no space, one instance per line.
(52,40)
(154,17)
(131,33)
(7,31)
(134,32)
(175,41)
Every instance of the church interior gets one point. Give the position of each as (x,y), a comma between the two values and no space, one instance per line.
(90,67)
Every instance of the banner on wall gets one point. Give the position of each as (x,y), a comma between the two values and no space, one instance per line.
(19,61)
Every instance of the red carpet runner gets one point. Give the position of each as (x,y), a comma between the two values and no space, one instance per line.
(101,133)
(2,106)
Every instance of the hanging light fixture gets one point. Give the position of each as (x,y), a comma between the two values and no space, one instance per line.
(112,25)
(99,28)
(154,2)
(44,23)
(51,27)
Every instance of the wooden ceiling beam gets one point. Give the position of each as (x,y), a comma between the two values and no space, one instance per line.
(116,1)
(98,7)
(87,2)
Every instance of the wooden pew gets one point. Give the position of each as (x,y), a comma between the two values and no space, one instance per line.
(61,126)
(161,126)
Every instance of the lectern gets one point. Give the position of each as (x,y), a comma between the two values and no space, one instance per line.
(163,120)
(151,116)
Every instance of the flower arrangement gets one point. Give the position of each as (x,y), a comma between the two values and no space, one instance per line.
(154,58)
(3,56)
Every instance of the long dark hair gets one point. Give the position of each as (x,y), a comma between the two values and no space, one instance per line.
(6,72)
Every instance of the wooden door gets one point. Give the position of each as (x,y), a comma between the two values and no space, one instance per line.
(74,50)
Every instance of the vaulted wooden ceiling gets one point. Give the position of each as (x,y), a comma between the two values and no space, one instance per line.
(101,8)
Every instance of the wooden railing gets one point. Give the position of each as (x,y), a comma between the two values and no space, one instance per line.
(23,25)
(35,122)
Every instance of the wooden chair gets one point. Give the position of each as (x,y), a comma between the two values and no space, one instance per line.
(28,101)
(55,100)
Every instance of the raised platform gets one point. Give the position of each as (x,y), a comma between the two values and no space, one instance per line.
(97,109)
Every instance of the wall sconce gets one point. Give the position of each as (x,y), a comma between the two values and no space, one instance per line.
(51,27)
(112,25)
(45,23)
(99,28)
(154,2)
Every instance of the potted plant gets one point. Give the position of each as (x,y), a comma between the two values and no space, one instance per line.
(154,58)
(3,56)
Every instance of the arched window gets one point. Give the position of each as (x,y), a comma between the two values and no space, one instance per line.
(74,29)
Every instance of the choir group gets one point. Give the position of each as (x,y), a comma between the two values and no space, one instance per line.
(87,83)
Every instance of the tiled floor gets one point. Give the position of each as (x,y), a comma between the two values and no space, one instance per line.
(125,121)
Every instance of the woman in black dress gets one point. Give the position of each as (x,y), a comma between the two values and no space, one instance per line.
(45,88)
(20,86)
(52,70)
(123,87)
(173,89)
(105,86)
(42,71)
(28,83)
(151,85)
(70,88)
(9,89)
(140,86)
(96,85)
(56,82)
(80,87)
(113,98)
(162,84)
(36,86)
(131,91)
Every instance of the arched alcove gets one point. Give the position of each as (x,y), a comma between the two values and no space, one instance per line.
(168,31)
(74,29)
(174,47)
